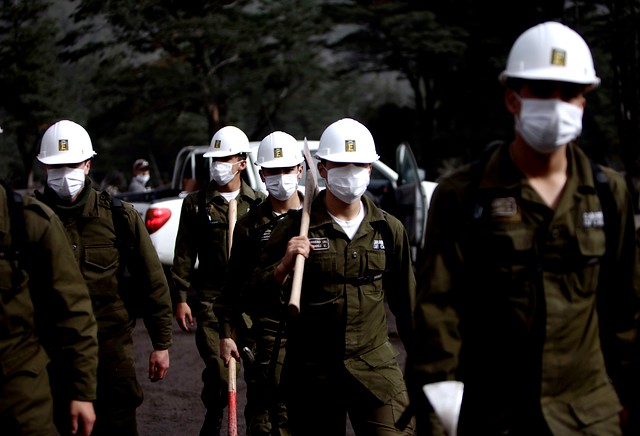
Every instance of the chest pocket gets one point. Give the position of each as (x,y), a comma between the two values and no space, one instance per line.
(213,225)
(215,232)
(592,247)
(508,247)
(16,301)
(101,268)
(376,262)
(321,277)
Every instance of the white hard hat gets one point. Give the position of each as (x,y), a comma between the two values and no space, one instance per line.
(65,142)
(279,150)
(347,140)
(551,51)
(228,141)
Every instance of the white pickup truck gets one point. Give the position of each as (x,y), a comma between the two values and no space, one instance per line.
(401,193)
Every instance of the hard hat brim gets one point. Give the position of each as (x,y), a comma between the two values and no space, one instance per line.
(58,159)
(222,153)
(279,164)
(348,157)
(548,74)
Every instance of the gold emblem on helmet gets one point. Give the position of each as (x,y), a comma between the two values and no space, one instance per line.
(277,153)
(558,57)
(217,143)
(63,145)
(350,145)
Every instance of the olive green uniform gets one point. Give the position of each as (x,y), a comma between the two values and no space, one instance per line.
(205,236)
(507,302)
(267,323)
(91,231)
(339,357)
(45,313)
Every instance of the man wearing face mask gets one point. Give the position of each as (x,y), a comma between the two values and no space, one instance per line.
(528,293)
(280,158)
(107,239)
(141,176)
(340,361)
(203,235)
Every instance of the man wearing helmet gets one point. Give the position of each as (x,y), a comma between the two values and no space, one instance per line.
(107,239)
(520,248)
(280,158)
(340,360)
(203,235)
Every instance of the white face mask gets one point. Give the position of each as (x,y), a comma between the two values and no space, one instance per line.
(220,172)
(143,178)
(546,124)
(282,186)
(348,183)
(66,182)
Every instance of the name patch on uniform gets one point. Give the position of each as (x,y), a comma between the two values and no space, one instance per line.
(378,244)
(319,243)
(504,208)
(593,219)
(266,235)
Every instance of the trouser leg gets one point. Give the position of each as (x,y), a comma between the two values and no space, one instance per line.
(119,393)
(26,407)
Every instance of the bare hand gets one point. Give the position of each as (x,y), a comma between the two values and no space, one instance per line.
(82,417)
(296,245)
(184,317)
(158,365)
(228,350)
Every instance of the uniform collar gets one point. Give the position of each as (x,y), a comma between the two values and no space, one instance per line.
(246,193)
(320,216)
(499,171)
(85,204)
(500,174)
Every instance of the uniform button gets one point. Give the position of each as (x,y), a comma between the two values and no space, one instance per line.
(354,254)
(74,246)
(555,234)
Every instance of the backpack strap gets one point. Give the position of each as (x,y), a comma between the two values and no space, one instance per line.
(387,239)
(608,203)
(120,224)
(477,171)
(18,231)
(124,238)
(202,204)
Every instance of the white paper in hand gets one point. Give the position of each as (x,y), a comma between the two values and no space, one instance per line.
(446,398)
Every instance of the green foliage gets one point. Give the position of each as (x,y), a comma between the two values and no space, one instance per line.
(30,89)
(149,77)
(173,73)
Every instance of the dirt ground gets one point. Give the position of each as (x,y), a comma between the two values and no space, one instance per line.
(172,407)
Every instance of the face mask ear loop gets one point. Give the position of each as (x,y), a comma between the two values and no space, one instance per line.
(516,116)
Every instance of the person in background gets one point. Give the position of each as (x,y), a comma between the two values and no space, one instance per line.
(46,315)
(339,359)
(114,182)
(141,174)
(528,290)
(280,160)
(203,235)
(108,239)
